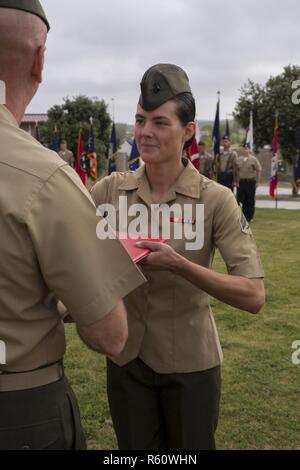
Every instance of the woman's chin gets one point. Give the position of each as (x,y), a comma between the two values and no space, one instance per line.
(149,157)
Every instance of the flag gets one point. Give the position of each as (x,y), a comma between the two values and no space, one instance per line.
(297,167)
(216,139)
(227,130)
(250,138)
(274,174)
(55,141)
(37,132)
(134,159)
(92,156)
(112,151)
(81,158)
(192,153)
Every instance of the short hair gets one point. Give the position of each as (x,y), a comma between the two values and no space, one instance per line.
(186,107)
(185,111)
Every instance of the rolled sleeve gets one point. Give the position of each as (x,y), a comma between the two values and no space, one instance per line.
(234,238)
(87,274)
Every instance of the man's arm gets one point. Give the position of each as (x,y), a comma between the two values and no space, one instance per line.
(235,170)
(258,176)
(108,335)
(258,171)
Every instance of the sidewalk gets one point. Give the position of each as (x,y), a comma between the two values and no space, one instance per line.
(263,200)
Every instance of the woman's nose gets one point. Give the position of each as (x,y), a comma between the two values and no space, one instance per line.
(147,130)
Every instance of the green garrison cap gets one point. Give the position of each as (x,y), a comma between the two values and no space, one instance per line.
(31,6)
(161,83)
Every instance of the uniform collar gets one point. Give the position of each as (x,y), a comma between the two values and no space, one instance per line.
(6,115)
(189,183)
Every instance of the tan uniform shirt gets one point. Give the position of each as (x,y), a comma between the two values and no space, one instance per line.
(67,156)
(227,161)
(206,165)
(171,326)
(49,245)
(248,167)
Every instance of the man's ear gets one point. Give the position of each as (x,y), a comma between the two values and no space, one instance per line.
(189,131)
(38,64)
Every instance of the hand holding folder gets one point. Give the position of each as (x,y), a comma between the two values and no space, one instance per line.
(129,241)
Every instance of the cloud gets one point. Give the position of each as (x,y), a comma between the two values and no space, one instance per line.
(102,48)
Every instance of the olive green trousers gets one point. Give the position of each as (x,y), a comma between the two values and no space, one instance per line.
(42,418)
(152,411)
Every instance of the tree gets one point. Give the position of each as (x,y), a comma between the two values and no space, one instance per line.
(76,113)
(265,101)
(252,99)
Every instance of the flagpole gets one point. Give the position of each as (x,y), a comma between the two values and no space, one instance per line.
(218,157)
(277,174)
(113,109)
(277,187)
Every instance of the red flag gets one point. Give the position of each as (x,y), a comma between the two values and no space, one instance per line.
(92,153)
(80,158)
(192,153)
(274,174)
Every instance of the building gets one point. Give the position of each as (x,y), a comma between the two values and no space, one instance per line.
(30,121)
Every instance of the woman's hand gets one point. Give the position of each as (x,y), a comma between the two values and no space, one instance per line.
(162,256)
(240,292)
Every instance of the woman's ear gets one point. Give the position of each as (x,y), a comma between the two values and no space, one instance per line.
(190,130)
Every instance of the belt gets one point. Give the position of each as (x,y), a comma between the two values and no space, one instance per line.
(248,180)
(11,382)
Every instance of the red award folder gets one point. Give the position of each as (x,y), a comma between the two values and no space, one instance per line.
(129,241)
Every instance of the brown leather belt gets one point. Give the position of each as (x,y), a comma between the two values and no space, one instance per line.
(11,382)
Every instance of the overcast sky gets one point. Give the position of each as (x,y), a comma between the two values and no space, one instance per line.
(101,48)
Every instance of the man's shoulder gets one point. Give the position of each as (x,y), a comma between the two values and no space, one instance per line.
(21,153)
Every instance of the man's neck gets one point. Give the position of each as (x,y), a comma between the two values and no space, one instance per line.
(16,110)
(16,102)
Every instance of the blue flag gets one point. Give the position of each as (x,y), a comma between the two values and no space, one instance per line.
(112,151)
(55,141)
(216,139)
(134,159)
(227,130)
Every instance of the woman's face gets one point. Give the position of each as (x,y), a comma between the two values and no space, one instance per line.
(159,134)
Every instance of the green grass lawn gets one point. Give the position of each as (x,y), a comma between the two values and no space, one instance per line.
(260,406)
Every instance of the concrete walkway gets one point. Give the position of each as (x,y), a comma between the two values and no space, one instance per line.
(266,202)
